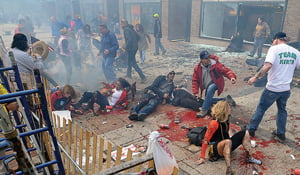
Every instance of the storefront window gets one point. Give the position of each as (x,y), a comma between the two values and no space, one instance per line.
(222,19)
(142,13)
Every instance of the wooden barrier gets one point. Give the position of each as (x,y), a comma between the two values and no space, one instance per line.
(92,153)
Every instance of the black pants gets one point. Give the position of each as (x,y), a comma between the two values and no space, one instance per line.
(94,97)
(132,63)
(185,99)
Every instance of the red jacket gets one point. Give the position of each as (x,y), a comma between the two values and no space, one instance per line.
(123,101)
(57,95)
(217,71)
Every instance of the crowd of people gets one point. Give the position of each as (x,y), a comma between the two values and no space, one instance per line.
(208,77)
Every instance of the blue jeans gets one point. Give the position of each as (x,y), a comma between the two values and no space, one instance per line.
(143,56)
(209,100)
(132,63)
(266,100)
(158,46)
(147,106)
(258,44)
(108,70)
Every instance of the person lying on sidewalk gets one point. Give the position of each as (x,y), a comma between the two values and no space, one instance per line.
(209,75)
(183,98)
(219,142)
(114,95)
(159,92)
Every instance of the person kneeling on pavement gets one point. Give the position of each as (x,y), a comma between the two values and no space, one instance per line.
(114,95)
(159,92)
(209,75)
(219,142)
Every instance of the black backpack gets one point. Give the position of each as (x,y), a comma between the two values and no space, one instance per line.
(196,135)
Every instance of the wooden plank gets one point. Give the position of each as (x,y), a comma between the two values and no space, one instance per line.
(128,158)
(94,162)
(64,139)
(126,165)
(87,152)
(58,129)
(69,146)
(80,146)
(151,164)
(119,154)
(138,167)
(175,171)
(101,149)
(75,146)
(108,157)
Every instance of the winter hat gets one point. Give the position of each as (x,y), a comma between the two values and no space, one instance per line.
(204,54)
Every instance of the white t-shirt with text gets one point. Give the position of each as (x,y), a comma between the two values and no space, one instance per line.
(284,60)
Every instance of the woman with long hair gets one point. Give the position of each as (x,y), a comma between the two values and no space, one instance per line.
(218,140)
(142,43)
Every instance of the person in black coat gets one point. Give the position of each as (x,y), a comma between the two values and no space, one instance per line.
(131,47)
(236,43)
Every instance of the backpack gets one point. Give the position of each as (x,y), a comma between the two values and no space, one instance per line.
(196,135)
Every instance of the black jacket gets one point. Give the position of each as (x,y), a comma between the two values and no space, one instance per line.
(156,86)
(131,38)
(157,29)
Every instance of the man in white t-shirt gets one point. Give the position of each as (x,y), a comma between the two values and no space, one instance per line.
(280,64)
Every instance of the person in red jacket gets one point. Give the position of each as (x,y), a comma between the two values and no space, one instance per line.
(62,98)
(209,75)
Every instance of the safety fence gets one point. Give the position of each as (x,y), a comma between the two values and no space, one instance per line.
(86,153)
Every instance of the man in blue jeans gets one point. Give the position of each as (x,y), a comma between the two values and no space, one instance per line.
(108,49)
(280,64)
(159,92)
(209,75)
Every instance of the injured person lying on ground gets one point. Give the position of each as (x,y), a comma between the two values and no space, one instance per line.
(159,92)
(110,96)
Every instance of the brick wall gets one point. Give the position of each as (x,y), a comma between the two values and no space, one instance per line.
(292,20)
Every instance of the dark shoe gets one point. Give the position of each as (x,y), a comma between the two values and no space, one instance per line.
(141,117)
(230,101)
(257,57)
(164,52)
(133,116)
(201,114)
(280,136)
(251,133)
(255,161)
(250,55)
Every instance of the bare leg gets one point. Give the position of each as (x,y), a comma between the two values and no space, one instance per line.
(224,149)
(246,145)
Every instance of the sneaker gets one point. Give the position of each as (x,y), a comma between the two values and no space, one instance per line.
(255,161)
(257,57)
(201,114)
(280,136)
(250,55)
(133,116)
(230,101)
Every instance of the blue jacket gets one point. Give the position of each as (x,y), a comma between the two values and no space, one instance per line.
(109,42)
(56,27)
